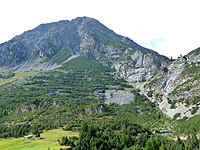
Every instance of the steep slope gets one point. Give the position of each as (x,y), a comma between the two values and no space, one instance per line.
(176,86)
(48,45)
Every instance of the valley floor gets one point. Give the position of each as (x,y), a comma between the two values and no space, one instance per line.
(47,141)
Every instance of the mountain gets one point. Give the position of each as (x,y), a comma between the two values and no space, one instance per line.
(57,75)
(80,76)
(175,86)
(49,45)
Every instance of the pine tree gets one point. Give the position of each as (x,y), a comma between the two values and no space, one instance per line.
(151,144)
(37,134)
(194,140)
(162,147)
(64,141)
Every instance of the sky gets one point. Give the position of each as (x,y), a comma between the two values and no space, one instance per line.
(170,27)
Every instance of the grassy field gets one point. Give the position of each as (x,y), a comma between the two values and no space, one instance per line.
(47,141)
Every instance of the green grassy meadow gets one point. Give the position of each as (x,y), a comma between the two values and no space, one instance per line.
(47,141)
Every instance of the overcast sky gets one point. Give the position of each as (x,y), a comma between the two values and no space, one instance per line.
(170,27)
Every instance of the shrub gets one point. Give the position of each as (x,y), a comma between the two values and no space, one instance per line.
(150,94)
(177,115)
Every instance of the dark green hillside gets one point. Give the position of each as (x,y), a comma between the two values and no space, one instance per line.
(73,89)
(59,98)
(81,81)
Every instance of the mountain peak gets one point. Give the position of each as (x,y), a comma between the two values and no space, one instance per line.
(58,41)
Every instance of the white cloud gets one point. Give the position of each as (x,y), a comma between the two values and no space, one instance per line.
(153,43)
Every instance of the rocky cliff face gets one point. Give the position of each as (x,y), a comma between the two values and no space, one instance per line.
(34,106)
(176,86)
(100,108)
(48,45)
(138,66)
(118,97)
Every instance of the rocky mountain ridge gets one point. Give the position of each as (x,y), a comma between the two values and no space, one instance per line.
(48,45)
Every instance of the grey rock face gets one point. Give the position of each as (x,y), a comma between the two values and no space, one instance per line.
(33,107)
(96,109)
(139,67)
(118,97)
(176,85)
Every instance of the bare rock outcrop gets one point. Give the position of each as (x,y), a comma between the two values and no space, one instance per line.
(33,106)
(99,109)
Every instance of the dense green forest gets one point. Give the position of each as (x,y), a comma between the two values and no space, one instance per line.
(59,99)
